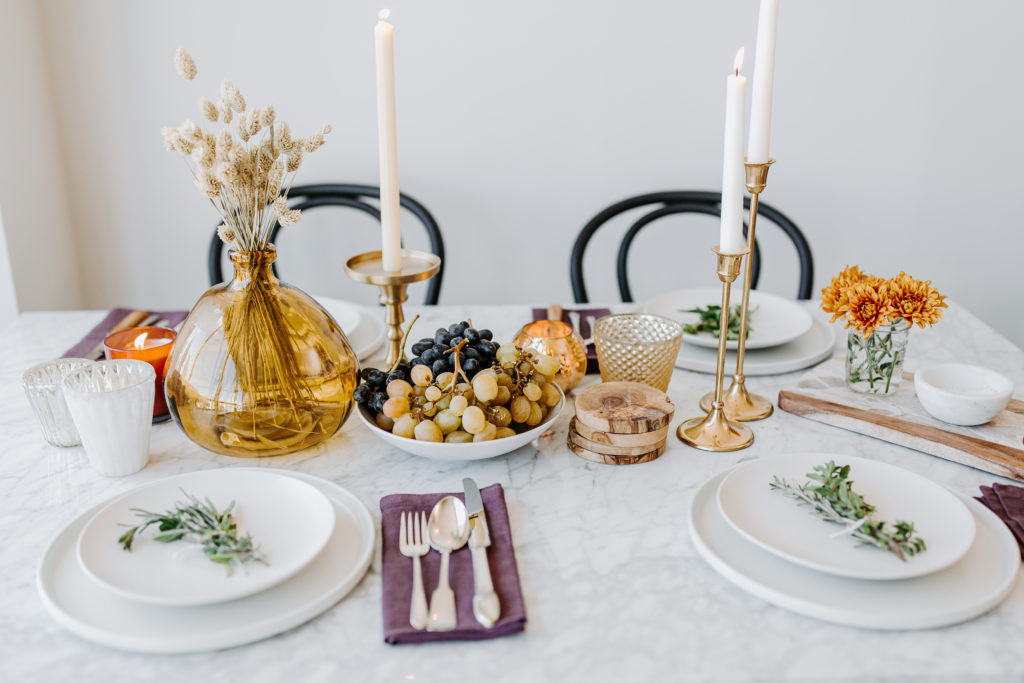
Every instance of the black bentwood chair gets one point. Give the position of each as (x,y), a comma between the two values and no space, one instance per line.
(304,197)
(663,204)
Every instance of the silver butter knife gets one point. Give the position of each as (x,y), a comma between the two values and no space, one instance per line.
(486,607)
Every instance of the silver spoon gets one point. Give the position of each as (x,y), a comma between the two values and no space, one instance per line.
(448,528)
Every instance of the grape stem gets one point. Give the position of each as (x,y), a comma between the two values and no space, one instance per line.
(458,366)
(405,339)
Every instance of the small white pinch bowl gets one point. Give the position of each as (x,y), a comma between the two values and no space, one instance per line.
(961,394)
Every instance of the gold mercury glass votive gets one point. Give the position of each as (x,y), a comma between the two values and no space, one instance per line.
(637,347)
(557,339)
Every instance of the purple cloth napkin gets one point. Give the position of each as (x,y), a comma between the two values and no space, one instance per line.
(396,572)
(585,331)
(1007,502)
(100,332)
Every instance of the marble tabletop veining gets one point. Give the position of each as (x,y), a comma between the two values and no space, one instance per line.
(614,588)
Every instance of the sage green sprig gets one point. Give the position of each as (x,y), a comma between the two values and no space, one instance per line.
(834,500)
(216,533)
(711,321)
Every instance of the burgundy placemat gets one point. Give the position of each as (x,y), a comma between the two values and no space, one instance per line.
(1007,502)
(585,331)
(396,572)
(100,332)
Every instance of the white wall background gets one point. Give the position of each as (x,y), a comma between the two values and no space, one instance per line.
(897,128)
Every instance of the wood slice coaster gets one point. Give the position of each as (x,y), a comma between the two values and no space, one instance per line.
(623,408)
(606,449)
(655,438)
(615,459)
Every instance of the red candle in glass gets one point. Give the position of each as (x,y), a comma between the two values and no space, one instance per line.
(149,344)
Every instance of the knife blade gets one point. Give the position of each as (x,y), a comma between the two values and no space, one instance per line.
(486,607)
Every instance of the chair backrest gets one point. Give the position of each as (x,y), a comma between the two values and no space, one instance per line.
(663,204)
(304,197)
(8,295)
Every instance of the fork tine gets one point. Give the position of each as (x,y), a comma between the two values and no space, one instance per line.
(401,532)
(423,529)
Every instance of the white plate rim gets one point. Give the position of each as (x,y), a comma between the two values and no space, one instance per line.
(713,295)
(907,571)
(463,452)
(246,633)
(233,592)
(366,317)
(699,359)
(824,613)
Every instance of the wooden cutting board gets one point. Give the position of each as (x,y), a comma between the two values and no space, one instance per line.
(822,395)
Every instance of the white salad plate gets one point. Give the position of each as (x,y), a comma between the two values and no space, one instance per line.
(364,327)
(289,520)
(87,609)
(462,451)
(969,588)
(811,348)
(781,525)
(773,320)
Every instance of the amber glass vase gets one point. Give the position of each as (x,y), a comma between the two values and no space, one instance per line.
(259,368)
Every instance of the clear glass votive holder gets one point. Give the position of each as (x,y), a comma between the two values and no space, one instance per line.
(112,406)
(44,388)
(555,338)
(637,347)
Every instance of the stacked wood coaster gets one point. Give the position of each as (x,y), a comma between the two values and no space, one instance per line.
(620,423)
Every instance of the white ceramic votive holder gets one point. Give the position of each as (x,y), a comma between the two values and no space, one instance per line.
(112,406)
(44,388)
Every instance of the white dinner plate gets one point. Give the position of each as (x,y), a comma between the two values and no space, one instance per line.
(971,587)
(289,520)
(773,320)
(462,451)
(792,531)
(79,604)
(809,349)
(363,326)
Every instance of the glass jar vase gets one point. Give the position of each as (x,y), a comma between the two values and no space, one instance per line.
(259,368)
(874,365)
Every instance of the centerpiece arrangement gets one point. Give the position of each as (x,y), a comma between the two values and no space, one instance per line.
(881,313)
(259,368)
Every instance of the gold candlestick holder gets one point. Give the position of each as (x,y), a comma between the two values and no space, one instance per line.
(739,403)
(714,431)
(368,268)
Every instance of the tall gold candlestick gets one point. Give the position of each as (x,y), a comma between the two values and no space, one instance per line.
(714,431)
(739,403)
(369,269)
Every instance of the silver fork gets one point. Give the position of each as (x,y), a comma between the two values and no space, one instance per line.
(412,542)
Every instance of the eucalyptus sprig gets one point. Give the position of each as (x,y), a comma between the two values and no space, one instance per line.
(834,500)
(215,532)
(711,321)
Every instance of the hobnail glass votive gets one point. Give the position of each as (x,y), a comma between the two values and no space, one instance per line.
(112,405)
(637,347)
(555,338)
(44,389)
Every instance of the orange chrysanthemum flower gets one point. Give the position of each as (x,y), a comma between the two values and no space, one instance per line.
(915,301)
(832,296)
(866,307)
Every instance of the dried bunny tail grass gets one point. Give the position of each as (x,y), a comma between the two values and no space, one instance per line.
(283,132)
(204,156)
(224,144)
(315,142)
(208,185)
(171,138)
(232,96)
(209,110)
(254,121)
(295,156)
(185,65)
(227,174)
(267,116)
(286,216)
(242,124)
(226,234)
(276,174)
(225,111)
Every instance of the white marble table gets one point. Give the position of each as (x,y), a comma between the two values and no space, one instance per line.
(614,589)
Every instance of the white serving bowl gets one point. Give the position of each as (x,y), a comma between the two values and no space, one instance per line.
(962,394)
(462,451)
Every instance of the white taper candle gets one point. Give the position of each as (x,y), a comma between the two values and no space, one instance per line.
(733,174)
(764,79)
(387,142)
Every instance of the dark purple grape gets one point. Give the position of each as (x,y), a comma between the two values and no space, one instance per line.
(419,347)
(455,341)
(377,401)
(430,355)
(362,393)
(439,366)
(440,348)
(486,347)
(486,334)
(441,336)
(398,374)
(418,361)
(468,352)
(364,374)
(455,329)
(377,378)
(471,335)
(471,367)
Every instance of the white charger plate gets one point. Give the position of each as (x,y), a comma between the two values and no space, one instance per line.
(969,588)
(289,520)
(792,531)
(462,451)
(364,327)
(77,603)
(773,320)
(809,349)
